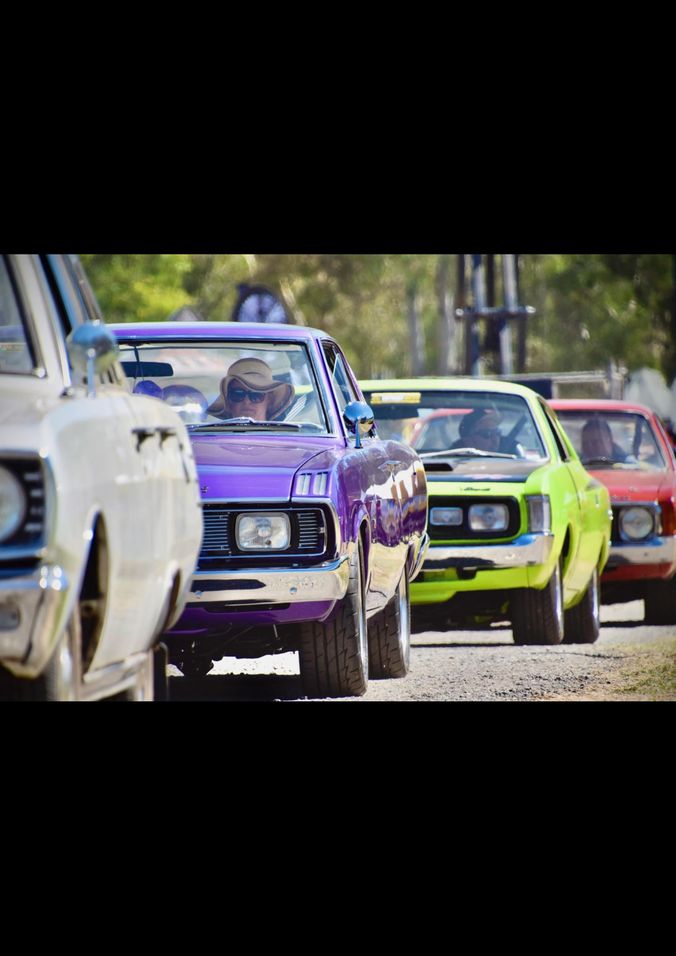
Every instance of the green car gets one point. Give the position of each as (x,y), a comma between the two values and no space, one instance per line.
(519,531)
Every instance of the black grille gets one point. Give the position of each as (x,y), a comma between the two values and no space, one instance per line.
(31,533)
(308,533)
(463,532)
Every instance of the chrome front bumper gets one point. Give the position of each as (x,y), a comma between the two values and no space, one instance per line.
(523,552)
(652,551)
(30,608)
(323,582)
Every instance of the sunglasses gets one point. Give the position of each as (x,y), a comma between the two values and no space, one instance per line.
(487,433)
(238,395)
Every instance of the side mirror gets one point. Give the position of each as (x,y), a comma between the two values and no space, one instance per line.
(359,419)
(92,349)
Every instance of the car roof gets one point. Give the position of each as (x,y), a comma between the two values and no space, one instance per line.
(436,384)
(598,405)
(208,330)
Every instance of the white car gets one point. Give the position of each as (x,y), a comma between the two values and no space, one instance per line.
(100,511)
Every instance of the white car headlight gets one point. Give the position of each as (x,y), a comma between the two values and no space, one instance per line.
(636,523)
(12,504)
(447,517)
(488,517)
(263,531)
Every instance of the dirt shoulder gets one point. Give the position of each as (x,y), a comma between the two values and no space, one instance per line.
(648,674)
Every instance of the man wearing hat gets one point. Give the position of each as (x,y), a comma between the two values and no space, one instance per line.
(479,429)
(250,391)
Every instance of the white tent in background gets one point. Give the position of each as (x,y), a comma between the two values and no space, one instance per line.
(648,387)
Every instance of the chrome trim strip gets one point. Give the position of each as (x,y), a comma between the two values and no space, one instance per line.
(524,551)
(322,582)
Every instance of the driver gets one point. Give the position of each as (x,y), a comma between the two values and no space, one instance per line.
(479,429)
(250,391)
(597,442)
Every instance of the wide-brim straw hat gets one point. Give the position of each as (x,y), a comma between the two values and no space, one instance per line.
(254,374)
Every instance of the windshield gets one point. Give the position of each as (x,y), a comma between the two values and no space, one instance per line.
(460,422)
(238,386)
(613,439)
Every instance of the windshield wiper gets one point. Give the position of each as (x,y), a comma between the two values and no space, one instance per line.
(465,453)
(243,424)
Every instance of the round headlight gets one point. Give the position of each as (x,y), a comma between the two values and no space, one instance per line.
(636,523)
(12,504)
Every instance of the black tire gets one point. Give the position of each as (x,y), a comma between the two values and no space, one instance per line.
(333,654)
(390,635)
(160,675)
(537,615)
(581,623)
(59,680)
(659,602)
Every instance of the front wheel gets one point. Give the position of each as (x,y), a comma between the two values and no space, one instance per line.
(333,654)
(582,622)
(537,616)
(390,635)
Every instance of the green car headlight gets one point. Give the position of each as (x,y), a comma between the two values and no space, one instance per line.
(12,504)
(636,523)
(488,517)
(263,531)
(446,517)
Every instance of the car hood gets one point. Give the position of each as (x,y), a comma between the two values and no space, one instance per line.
(479,469)
(633,484)
(239,467)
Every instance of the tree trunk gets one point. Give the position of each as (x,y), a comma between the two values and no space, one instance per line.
(447,340)
(416,331)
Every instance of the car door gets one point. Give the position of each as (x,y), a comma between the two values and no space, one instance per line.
(378,469)
(116,469)
(587,540)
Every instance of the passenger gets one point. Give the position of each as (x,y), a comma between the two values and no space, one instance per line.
(250,391)
(188,401)
(479,429)
(597,442)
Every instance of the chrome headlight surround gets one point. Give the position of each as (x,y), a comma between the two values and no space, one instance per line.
(637,522)
(13,502)
(488,517)
(263,531)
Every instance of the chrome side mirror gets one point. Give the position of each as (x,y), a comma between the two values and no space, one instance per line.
(359,419)
(92,350)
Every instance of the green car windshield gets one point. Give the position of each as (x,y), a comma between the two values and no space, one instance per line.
(471,422)
(613,439)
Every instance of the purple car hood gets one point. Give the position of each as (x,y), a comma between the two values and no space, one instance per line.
(238,467)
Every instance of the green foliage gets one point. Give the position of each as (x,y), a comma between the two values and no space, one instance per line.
(590,309)
(139,288)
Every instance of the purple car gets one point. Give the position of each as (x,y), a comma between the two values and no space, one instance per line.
(313,526)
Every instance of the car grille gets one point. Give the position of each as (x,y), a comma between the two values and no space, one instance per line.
(308,533)
(463,532)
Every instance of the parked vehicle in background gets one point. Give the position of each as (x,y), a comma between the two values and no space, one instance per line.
(100,512)
(518,529)
(624,445)
(313,526)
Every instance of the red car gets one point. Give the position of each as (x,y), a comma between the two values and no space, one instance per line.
(625,446)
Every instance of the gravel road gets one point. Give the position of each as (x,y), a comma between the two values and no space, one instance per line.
(456,666)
